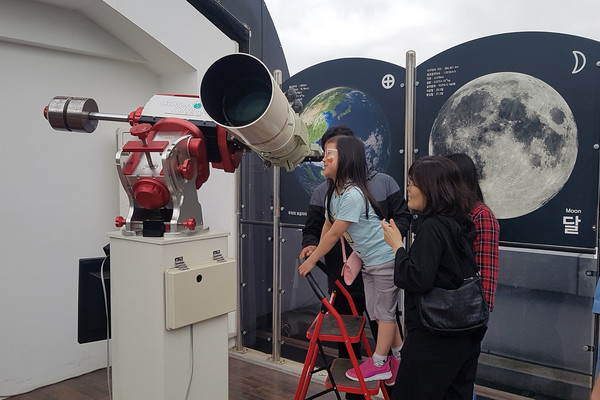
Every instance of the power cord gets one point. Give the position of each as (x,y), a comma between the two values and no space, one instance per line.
(187,393)
(108,377)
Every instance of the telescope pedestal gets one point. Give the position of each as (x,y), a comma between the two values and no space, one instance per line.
(149,361)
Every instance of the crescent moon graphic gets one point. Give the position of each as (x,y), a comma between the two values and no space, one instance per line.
(579,59)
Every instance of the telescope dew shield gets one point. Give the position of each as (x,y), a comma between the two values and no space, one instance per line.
(239,93)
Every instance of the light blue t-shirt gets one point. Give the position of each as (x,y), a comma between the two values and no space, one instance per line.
(365,235)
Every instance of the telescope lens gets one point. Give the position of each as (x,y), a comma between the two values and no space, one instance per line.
(246,101)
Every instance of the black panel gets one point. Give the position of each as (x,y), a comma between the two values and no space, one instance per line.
(91,311)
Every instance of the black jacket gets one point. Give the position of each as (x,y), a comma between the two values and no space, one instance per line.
(441,255)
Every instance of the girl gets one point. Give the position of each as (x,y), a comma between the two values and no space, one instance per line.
(435,367)
(349,212)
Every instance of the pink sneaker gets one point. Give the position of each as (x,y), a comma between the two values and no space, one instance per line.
(370,372)
(394,365)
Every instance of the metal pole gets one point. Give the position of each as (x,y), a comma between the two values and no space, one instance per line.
(108,117)
(409,142)
(410,114)
(239,339)
(276,339)
(276,353)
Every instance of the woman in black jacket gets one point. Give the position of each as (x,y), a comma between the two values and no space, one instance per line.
(435,366)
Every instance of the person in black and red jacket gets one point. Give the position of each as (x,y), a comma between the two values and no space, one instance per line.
(392,205)
(487,227)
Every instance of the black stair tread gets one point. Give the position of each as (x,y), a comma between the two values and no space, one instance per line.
(354,325)
(338,370)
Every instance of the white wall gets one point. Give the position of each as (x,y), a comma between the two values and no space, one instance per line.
(60,190)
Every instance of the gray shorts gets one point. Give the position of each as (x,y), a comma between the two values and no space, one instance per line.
(380,292)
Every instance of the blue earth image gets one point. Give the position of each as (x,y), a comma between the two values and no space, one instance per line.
(358,111)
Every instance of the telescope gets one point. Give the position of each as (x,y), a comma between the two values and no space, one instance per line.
(240,95)
(179,137)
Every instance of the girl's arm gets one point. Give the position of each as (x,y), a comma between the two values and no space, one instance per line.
(308,250)
(326,227)
(329,235)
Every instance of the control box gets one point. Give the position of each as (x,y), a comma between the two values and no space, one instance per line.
(197,293)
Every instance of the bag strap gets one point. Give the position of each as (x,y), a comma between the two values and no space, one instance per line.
(346,188)
(342,237)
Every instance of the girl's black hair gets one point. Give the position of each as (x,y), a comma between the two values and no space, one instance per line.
(441,182)
(468,171)
(352,166)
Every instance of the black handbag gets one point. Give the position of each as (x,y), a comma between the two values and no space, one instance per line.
(455,312)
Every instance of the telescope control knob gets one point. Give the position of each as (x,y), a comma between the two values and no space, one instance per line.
(134,116)
(151,194)
(141,131)
(297,106)
(291,94)
(187,169)
(120,221)
(190,224)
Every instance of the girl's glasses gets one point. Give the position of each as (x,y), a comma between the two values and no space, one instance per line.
(330,155)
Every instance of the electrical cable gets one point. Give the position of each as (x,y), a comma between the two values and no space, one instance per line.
(187,393)
(108,378)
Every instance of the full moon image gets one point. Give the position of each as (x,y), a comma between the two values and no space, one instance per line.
(520,133)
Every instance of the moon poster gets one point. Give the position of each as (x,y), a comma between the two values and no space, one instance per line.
(364,94)
(526,108)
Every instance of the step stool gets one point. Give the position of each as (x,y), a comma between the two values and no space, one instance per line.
(330,326)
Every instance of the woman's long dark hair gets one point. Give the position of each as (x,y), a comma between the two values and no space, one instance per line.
(441,182)
(352,166)
(468,171)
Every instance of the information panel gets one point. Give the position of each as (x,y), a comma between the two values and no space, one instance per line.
(364,94)
(526,108)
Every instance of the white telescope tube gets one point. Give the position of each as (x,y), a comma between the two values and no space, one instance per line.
(239,93)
